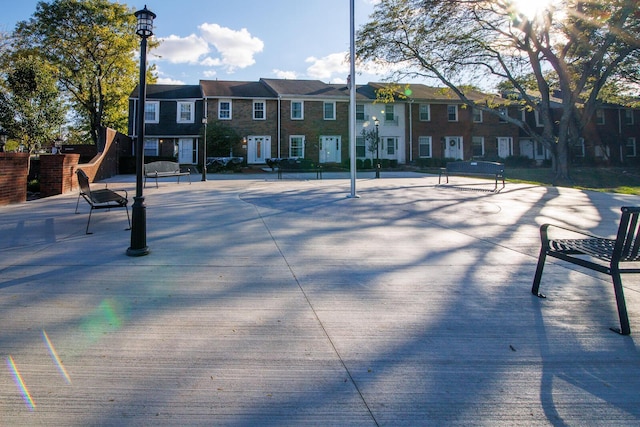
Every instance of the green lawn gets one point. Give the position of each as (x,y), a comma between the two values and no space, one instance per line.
(612,180)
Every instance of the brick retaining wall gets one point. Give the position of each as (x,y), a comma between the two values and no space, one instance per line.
(14,169)
(56,173)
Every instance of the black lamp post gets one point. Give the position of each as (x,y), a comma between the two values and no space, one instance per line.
(377,123)
(204,148)
(138,210)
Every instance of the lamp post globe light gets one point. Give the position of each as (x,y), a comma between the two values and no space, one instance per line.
(139,247)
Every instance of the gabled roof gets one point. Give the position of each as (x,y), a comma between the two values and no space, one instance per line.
(363,93)
(303,89)
(235,89)
(155,91)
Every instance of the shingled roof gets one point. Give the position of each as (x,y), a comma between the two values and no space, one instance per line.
(303,88)
(155,91)
(235,89)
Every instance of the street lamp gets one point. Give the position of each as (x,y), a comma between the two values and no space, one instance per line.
(3,139)
(139,247)
(377,123)
(204,149)
(57,144)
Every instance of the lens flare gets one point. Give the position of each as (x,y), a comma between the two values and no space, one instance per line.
(55,357)
(20,383)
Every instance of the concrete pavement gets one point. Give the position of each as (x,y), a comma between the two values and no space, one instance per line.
(274,303)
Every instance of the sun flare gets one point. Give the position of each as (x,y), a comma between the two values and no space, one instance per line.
(532,9)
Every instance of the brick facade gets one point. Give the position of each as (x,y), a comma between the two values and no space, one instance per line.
(57,173)
(14,168)
(488,138)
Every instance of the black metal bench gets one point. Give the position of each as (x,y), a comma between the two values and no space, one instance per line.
(608,254)
(100,199)
(471,168)
(164,169)
(293,165)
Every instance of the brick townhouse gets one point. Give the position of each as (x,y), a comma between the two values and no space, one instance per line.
(310,119)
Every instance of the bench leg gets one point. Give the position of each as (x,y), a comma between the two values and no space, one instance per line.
(625,329)
(126,208)
(538,276)
(77,202)
(86,231)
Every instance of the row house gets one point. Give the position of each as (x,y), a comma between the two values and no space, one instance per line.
(310,119)
(173,121)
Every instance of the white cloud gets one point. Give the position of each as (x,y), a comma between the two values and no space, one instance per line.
(237,48)
(324,68)
(289,75)
(210,73)
(180,50)
(211,62)
(169,81)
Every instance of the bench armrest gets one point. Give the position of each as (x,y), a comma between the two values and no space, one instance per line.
(544,232)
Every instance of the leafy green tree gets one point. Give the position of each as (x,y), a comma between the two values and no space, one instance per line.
(92,45)
(31,109)
(575,47)
(222,139)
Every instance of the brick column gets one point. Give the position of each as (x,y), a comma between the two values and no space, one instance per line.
(14,168)
(56,173)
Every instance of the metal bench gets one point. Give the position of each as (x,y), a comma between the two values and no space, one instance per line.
(292,165)
(100,199)
(481,168)
(597,253)
(164,169)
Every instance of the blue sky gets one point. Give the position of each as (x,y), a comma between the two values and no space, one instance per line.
(243,39)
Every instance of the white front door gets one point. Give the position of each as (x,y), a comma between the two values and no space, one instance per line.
(453,148)
(186,153)
(258,149)
(330,149)
(505,147)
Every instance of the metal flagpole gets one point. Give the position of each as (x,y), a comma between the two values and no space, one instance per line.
(352,101)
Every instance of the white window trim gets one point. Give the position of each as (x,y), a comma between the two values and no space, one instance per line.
(301,110)
(628,117)
(503,113)
(428,113)
(538,121)
(264,110)
(631,142)
(600,118)
(456,113)
(191,119)
(157,112)
(303,145)
(430,146)
(481,144)
(324,111)
(480,112)
(148,142)
(220,101)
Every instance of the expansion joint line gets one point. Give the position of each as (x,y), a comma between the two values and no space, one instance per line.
(317,317)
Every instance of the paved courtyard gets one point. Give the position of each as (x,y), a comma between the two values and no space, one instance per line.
(285,303)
